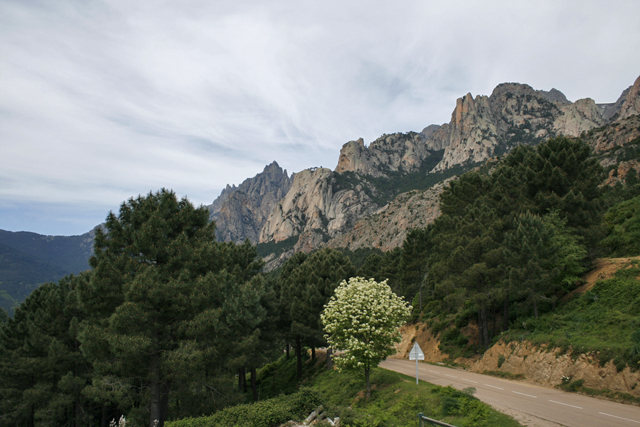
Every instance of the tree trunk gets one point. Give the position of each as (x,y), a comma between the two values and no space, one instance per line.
(480,334)
(313,352)
(103,420)
(154,405)
(493,328)
(287,350)
(535,307)
(244,380)
(329,358)
(155,387)
(78,413)
(505,320)
(366,377)
(299,356)
(164,404)
(254,387)
(485,326)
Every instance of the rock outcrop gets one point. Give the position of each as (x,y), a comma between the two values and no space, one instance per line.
(548,366)
(631,104)
(240,212)
(388,227)
(397,152)
(609,110)
(607,141)
(515,114)
(314,211)
(313,206)
(581,116)
(470,136)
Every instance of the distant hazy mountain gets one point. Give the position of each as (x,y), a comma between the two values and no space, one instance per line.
(28,260)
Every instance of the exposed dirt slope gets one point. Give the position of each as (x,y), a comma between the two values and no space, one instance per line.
(539,364)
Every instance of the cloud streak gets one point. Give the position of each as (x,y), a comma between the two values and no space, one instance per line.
(104,100)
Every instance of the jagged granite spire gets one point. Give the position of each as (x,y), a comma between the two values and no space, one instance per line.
(240,212)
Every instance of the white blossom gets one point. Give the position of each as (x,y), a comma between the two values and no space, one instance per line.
(362,320)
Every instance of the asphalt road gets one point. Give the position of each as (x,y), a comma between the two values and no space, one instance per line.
(538,406)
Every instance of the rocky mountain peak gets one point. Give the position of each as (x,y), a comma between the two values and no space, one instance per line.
(240,212)
(631,104)
(398,152)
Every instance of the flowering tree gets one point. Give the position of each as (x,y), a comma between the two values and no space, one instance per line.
(362,320)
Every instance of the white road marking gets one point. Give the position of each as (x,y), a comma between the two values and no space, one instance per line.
(471,381)
(565,404)
(447,375)
(535,397)
(620,418)
(492,386)
(435,372)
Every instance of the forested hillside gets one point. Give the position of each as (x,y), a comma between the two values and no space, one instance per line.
(27,260)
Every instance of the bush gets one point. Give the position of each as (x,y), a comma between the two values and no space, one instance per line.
(268,413)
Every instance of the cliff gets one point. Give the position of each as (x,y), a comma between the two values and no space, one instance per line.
(240,212)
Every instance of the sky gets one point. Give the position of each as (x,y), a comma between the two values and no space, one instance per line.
(101,101)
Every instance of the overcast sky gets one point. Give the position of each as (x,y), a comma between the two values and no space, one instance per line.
(104,100)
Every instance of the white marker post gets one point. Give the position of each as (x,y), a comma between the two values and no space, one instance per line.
(416,354)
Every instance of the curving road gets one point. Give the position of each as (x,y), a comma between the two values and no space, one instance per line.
(532,405)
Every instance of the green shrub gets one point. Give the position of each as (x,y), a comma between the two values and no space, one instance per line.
(268,413)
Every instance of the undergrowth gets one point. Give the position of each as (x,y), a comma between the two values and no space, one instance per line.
(395,401)
(603,322)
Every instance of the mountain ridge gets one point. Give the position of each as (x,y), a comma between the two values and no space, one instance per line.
(369,187)
(323,205)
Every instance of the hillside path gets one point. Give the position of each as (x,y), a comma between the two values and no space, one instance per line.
(531,405)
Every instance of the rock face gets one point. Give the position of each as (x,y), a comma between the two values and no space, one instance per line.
(388,227)
(313,206)
(631,104)
(578,117)
(240,212)
(470,136)
(547,367)
(482,127)
(608,111)
(398,152)
(607,141)
(314,211)
(421,334)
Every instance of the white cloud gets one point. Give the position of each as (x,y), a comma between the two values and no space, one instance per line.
(103,100)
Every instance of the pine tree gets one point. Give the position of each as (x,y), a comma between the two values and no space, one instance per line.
(307,287)
(165,299)
(42,372)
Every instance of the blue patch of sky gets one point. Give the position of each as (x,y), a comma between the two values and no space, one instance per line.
(56,219)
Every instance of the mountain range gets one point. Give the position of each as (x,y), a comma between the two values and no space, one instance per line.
(377,192)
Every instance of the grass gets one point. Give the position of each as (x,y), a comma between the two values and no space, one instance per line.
(395,400)
(601,322)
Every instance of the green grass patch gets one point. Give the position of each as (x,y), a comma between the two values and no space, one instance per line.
(602,322)
(395,400)
(267,413)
